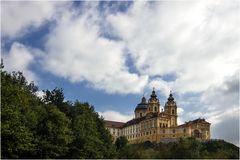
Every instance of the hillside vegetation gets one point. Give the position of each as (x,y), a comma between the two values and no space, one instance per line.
(187,148)
(50,127)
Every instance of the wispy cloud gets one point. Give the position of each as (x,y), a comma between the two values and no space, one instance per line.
(20,58)
(18,18)
(115,116)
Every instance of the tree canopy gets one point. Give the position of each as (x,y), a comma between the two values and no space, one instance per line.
(48,127)
(186,148)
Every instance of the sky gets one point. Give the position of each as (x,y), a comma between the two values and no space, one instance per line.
(110,54)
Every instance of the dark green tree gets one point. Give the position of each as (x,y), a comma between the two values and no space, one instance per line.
(16,136)
(54,133)
(92,140)
(121,142)
(55,97)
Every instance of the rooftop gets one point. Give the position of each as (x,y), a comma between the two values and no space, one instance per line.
(113,124)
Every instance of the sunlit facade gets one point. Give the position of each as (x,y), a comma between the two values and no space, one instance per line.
(155,125)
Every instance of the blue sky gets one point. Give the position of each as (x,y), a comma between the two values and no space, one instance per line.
(110,54)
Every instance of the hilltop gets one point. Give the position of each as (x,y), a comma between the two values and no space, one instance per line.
(187,148)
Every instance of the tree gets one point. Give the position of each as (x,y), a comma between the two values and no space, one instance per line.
(121,142)
(54,134)
(49,127)
(16,137)
(55,97)
(92,140)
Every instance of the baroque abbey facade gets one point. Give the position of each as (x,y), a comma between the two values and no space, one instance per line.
(155,125)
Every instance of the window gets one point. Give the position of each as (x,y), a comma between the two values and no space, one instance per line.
(140,114)
(155,109)
(172,111)
(196,133)
(184,130)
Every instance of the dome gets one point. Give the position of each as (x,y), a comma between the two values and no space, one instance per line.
(142,105)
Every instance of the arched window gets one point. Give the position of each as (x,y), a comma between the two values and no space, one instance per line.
(155,109)
(172,111)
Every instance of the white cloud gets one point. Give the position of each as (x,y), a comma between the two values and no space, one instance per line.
(17,17)
(20,58)
(223,95)
(161,85)
(40,94)
(180,111)
(195,40)
(115,116)
(77,51)
(222,109)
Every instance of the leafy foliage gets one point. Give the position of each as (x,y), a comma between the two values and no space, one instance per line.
(48,127)
(187,148)
(121,142)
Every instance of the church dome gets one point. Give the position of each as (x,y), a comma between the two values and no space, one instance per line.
(142,105)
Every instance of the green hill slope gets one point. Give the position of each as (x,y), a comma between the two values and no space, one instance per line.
(187,148)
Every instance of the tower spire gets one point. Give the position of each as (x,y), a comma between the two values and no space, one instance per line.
(170,98)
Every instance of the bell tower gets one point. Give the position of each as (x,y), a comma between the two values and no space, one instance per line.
(171,110)
(153,103)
